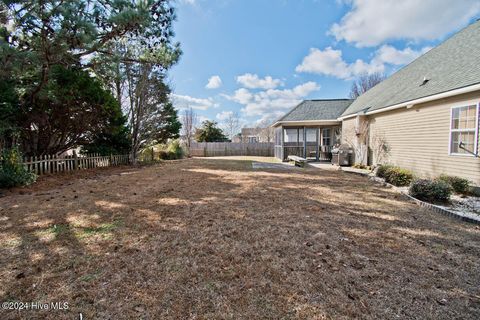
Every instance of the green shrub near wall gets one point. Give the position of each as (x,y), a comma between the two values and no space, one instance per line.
(430,190)
(459,185)
(382,170)
(12,172)
(394,175)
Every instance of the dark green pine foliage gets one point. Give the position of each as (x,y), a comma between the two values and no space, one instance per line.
(114,138)
(49,100)
(164,124)
(210,132)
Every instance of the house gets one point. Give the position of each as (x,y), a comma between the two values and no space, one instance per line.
(254,135)
(424,117)
(310,129)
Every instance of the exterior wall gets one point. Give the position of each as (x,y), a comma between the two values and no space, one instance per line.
(419,138)
(355,133)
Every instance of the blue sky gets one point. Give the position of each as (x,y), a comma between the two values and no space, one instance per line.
(260,58)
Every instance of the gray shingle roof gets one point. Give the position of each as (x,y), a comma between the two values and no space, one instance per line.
(308,110)
(453,64)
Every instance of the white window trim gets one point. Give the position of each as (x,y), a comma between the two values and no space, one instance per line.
(476,142)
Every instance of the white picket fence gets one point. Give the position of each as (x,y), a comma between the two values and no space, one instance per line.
(218,149)
(49,164)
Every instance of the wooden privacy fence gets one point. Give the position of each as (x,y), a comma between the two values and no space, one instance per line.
(220,149)
(53,164)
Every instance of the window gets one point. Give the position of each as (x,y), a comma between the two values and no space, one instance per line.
(326,137)
(464,130)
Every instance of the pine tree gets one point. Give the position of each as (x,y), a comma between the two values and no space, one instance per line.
(39,37)
(210,132)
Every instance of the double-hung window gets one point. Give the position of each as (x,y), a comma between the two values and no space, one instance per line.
(464,130)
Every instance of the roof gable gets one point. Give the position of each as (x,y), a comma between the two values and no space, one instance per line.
(453,64)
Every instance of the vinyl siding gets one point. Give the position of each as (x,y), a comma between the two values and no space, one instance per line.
(419,138)
(348,130)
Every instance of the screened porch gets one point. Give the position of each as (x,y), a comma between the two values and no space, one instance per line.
(311,143)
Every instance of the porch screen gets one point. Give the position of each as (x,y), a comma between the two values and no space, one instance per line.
(300,135)
(291,135)
(311,135)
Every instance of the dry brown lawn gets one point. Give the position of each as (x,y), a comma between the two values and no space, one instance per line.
(214,239)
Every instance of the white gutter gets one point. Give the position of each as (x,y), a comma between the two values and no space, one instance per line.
(347,117)
(305,122)
(411,103)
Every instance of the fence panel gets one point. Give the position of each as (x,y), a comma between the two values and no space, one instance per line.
(221,149)
(50,164)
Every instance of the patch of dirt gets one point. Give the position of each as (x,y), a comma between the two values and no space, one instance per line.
(215,239)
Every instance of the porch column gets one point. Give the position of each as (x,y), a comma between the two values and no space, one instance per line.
(317,150)
(304,143)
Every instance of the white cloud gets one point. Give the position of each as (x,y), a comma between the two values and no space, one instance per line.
(184,102)
(269,118)
(224,115)
(388,54)
(214,82)
(192,2)
(252,81)
(372,22)
(242,96)
(272,102)
(330,61)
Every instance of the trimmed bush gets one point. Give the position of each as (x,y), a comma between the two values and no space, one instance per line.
(399,177)
(430,190)
(459,185)
(382,170)
(394,175)
(12,172)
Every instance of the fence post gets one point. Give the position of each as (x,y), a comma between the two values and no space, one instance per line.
(153,155)
(75,160)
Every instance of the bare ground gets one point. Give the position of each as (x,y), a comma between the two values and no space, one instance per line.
(214,239)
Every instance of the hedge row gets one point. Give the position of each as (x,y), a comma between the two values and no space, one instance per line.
(436,190)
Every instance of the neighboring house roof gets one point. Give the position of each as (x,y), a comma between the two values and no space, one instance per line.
(311,110)
(251,131)
(452,65)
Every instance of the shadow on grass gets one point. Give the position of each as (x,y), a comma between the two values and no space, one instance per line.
(216,239)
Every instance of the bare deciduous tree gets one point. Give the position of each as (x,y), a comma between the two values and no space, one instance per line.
(189,124)
(266,133)
(379,147)
(357,138)
(365,82)
(232,124)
